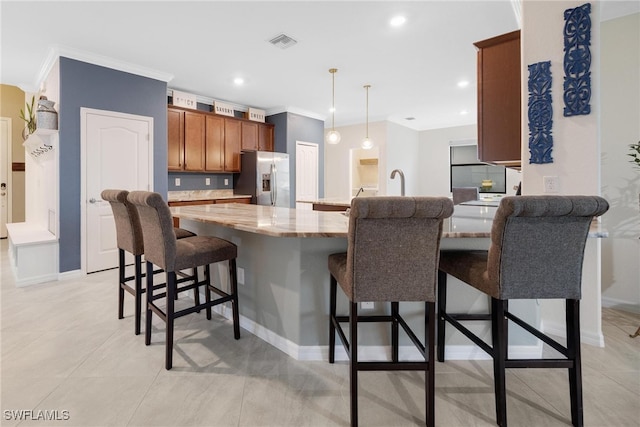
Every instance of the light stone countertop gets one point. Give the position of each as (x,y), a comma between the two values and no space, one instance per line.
(467,222)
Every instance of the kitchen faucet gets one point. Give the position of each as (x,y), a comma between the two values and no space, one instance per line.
(359,191)
(393,175)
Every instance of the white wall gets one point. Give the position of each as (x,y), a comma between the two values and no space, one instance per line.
(576,146)
(402,149)
(620,85)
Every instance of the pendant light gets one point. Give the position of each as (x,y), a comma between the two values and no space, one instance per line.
(333,136)
(367,143)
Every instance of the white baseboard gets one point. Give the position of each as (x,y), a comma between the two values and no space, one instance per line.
(559,330)
(621,304)
(72,274)
(321,352)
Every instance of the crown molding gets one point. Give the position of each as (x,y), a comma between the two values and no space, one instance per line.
(57,51)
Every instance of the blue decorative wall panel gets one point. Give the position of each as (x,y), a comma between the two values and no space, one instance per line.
(577,61)
(540,113)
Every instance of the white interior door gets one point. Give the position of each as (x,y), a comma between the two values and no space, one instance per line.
(5,141)
(118,154)
(306,173)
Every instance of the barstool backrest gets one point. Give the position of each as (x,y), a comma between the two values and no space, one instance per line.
(464,194)
(157,228)
(394,246)
(128,230)
(537,245)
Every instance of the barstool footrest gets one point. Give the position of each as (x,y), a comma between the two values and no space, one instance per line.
(535,332)
(453,320)
(539,363)
(392,366)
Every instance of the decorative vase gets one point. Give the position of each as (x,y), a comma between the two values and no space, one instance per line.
(47,116)
(25,133)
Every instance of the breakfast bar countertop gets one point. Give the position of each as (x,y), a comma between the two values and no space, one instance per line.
(467,222)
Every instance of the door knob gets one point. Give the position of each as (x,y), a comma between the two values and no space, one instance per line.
(92,200)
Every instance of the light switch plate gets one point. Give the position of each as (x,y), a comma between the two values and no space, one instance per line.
(226,181)
(207,181)
(177,182)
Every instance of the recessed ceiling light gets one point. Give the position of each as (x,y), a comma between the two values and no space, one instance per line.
(332,109)
(238,81)
(463,83)
(464,112)
(397,21)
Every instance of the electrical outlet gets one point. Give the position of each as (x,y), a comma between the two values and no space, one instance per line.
(177,182)
(226,181)
(367,305)
(551,184)
(207,181)
(241,276)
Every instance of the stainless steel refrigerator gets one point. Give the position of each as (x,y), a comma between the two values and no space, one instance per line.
(265,177)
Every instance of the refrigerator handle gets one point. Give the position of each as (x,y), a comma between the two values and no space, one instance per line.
(272,192)
(275,187)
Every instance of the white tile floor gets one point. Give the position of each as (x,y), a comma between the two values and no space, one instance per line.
(63,349)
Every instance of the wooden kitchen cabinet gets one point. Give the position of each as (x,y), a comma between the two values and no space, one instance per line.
(499,108)
(265,137)
(214,144)
(249,136)
(232,145)
(175,139)
(200,141)
(194,139)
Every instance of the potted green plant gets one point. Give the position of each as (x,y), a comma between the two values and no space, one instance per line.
(635,153)
(30,119)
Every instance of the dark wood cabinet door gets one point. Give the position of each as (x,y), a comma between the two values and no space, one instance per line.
(194,134)
(249,136)
(232,145)
(499,136)
(175,140)
(265,137)
(214,144)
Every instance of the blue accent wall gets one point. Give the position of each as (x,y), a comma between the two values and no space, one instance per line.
(291,127)
(93,86)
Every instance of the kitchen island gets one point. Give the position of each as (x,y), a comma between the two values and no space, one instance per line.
(284,279)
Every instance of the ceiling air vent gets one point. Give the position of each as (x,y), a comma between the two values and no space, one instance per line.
(282,41)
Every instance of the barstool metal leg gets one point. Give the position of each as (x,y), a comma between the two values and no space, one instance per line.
(442,304)
(233,274)
(139,291)
(353,367)
(499,334)
(121,283)
(333,285)
(430,375)
(171,292)
(147,330)
(394,331)
(573,353)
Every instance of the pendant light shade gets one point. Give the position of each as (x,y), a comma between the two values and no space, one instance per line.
(367,143)
(333,136)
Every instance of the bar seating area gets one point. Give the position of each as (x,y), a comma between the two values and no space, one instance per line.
(393,255)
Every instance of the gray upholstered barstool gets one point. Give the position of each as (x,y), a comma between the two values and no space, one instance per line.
(172,255)
(536,252)
(392,256)
(129,239)
(464,194)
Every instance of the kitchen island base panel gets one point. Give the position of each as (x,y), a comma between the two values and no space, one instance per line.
(284,299)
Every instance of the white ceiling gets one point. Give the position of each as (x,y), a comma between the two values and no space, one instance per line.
(202,46)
